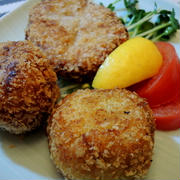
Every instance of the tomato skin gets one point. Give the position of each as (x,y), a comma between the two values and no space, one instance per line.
(168,116)
(163,90)
(163,87)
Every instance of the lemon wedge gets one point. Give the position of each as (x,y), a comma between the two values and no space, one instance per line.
(135,60)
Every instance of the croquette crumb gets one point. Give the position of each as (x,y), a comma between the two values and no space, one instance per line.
(75,35)
(90,136)
(28,89)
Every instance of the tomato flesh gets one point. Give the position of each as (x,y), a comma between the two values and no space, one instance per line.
(162,88)
(168,116)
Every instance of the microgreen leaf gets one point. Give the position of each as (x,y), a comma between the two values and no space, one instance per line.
(101,4)
(138,21)
(111,7)
(130,5)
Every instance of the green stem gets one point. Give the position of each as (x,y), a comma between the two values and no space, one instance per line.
(64,89)
(134,32)
(148,36)
(154,29)
(158,37)
(116,2)
(147,17)
(130,22)
(144,19)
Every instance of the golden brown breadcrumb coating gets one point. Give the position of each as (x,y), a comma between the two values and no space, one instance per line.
(102,134)
(28,89)
(76,35)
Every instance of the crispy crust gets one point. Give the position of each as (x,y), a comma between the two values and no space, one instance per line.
(76,35)
(102,134)
(28,88)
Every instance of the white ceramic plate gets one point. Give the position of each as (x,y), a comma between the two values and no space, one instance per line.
(27,157)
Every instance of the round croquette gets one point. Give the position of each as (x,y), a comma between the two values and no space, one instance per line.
(75,35)
(102,134)
(28,89)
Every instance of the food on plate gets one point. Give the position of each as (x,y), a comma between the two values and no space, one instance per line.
(163,90)
(157,25)
(75,35)
(168,115)
(102,134)
(135,60)
(28,89)
(163,87)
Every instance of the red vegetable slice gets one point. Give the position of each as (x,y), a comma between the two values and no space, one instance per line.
(163,87)
(163,90)
(168,116)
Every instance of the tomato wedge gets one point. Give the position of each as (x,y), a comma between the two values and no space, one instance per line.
(168,116)
(163,87)
(163,90)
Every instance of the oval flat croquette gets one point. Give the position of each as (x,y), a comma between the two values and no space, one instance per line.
(28,89)
(75,35)
(102,134)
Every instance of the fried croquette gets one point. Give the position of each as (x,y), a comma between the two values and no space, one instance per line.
(28,89)
(76,35)
(102,134)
